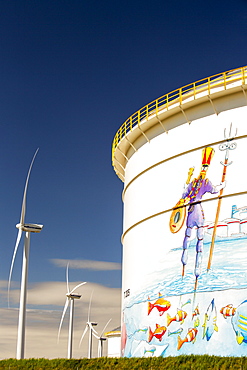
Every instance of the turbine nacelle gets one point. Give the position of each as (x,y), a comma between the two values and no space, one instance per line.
(92,323)
(34,228)
(73,295)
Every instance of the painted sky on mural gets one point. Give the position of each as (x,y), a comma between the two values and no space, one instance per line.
(71,73)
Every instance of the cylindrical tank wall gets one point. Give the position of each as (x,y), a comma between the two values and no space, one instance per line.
(163,312)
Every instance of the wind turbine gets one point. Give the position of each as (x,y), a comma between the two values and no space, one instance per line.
(28,228)
(70,297)
(89,326)
(101,339)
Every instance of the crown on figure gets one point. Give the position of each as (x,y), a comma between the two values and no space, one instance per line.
(207,155)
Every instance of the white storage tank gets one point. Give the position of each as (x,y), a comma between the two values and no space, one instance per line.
(221,229)
(233,226)
(182,161)
(243,226)
(114,342)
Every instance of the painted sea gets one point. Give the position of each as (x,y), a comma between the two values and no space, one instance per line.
(221,289)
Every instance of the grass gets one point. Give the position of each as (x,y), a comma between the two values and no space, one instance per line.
(192,362)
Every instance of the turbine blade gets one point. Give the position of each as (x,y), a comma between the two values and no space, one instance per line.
(92,328)
(23,209)
(13,259)
(83,334)
(89,307)
(96,336)
(105,327)
(77,286)
(22,220)
(62,318)
(94,331)
(67,277)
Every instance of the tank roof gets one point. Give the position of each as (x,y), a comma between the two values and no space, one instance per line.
(155,118)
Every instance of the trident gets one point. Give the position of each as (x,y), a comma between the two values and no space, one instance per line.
(227,146)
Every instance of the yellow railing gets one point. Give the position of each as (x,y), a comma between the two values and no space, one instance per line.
(178,96)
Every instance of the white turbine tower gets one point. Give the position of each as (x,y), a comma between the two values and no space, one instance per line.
(28,228)
(89,326)
(70,297)
(101,340)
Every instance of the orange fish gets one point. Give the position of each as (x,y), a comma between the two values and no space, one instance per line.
(195,312)
(180,316)
(190,337)
(228,311)
(161,304)
(157,333)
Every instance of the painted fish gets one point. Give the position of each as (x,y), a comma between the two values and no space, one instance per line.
(228,311)
(149,352)
(138,334)
(188,302)
(209,325)
(239,323)
(157,333)
(144,330)
(161,304)
(190,337)
(195,312)
(179,331)
(196,323)
(179,317)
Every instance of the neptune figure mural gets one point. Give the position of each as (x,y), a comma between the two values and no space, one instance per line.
(195,218)
(192,196)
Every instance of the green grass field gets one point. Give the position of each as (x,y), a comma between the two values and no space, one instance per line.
(156,363)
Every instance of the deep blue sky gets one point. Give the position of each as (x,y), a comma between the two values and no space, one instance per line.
(70,73)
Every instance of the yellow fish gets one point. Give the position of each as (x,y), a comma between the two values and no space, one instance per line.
(190,337)
(179,317)
(161,304)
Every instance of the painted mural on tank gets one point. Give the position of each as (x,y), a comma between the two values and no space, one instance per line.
(198,304)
